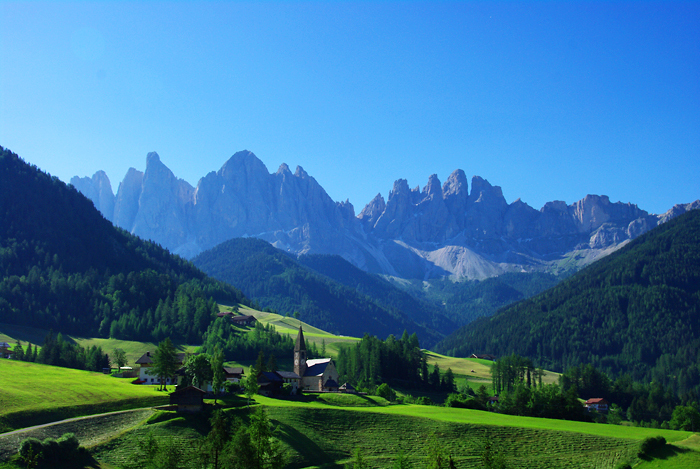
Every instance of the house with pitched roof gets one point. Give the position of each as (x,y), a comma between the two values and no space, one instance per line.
(146,374)
(5,351)
(598,404)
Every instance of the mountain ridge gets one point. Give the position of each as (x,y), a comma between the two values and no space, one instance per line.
(636,312)
(441,230)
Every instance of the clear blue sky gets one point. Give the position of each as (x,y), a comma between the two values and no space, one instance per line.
(549,100)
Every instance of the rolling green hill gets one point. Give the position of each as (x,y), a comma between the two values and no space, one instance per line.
(636,311)
(64,267)
(380,291)
(279,282)
(327,434)
(34,394)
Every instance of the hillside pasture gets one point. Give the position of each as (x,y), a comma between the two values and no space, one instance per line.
(10,333)
(34,394)
(290,325)
(326,433)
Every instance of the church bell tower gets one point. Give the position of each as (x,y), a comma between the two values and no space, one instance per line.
(300,354)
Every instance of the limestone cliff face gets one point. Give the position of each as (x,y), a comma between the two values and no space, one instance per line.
(163,205)
(126,205)
(441,230)
(99,190)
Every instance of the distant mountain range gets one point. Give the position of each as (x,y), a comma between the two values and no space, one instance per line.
(441,230)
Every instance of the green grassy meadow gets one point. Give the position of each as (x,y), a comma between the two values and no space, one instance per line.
(289,325)
(324,432)
(33,394)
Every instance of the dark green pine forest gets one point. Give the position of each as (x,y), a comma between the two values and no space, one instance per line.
(634,312)
(64,267)
(280,283)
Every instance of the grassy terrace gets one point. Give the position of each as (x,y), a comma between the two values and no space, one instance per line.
(324,431)
(33,394)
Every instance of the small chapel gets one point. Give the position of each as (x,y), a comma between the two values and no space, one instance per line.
(316,375)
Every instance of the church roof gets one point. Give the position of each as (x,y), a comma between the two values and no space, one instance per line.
(300,344)
(316,367)
(330,384)
(288,374)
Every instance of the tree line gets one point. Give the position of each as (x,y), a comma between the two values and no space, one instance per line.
(372,361)
(635,312)
(58,351)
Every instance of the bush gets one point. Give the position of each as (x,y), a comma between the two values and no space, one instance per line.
(50,451)
(651,444)
(30,445)
(63,449)
(68,446)
(623,465)
(386,392)
(463,402)
(424,400)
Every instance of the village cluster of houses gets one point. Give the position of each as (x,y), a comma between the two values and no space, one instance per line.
(316,375)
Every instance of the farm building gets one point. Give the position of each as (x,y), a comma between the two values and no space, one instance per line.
(5,351)
(145,372)
(598,404)
(243,320)
(189,399)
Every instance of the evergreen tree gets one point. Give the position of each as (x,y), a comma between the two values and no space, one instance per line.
(165,361)
(19,351)
(218,436)
(217,370)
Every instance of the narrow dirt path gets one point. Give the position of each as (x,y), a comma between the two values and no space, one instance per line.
(90,430)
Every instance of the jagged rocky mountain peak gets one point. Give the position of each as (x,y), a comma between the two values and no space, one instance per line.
(443,229)
(300,173)
(152,158)
(456,184)
(284,169)
(432,188)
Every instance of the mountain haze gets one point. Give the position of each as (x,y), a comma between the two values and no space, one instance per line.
(441,230)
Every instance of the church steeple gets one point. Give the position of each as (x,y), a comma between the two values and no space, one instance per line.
(300,354)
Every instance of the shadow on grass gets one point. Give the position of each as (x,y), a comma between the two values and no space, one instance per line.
(308,450)
(667,452)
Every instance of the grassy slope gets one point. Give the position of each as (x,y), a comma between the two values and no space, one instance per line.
(318,435)
(474,371)
(461,367)
(329,429)
(326,432)
(33,393)
(10,333)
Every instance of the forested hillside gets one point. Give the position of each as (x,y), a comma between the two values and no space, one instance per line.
(278,282)
(636,311)
(381,291)
(64,267)
(468,300)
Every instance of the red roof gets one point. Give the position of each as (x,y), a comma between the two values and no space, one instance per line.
(596,400)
